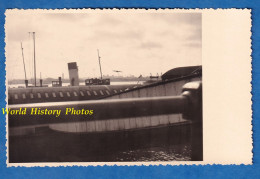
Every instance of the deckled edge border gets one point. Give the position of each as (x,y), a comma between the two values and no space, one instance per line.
(166,163)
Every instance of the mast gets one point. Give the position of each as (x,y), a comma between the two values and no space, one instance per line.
(99,64)
(23,62)
(34,59)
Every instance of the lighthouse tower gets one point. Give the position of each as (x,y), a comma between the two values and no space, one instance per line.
(73,74)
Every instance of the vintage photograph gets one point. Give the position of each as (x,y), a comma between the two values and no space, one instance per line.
(103,86)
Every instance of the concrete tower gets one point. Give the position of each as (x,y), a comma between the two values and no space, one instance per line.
(73,74)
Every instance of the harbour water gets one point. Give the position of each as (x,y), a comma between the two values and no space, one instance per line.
(179,152)
(50,146)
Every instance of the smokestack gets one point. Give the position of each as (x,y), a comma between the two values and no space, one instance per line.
(73,74)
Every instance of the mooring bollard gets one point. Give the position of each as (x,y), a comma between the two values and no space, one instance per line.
(193,91)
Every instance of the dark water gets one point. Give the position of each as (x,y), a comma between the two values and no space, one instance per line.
(173,153)
(150,145)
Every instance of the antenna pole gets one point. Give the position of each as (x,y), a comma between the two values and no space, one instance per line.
(34,58)
(99,64)
(23,62)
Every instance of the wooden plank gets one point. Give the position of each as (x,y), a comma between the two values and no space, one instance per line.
(132,123)
(135,94)
(98,125)
(158,90)
(123,95)
(164,119)
(71,127)
(109,125)
(174,118)
(142,121)
(139,122)
(103,125)
(77,127)
(115,124)
(146,121)
(91,126)
(170,89)
(127,123)
(121,124)
(155,91)
(155,121)
(82,127)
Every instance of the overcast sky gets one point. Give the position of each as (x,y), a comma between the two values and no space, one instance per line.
(134,43)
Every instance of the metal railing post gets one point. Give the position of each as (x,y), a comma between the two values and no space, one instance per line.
(193,91)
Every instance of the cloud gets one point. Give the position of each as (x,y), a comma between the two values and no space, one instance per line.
(106,20)
(178,18)
(150,45)
(195,34)
(66,16)
(107,34)
(193,44)
(154,41)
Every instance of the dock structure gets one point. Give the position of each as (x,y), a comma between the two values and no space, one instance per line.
(161,89)
(118,114)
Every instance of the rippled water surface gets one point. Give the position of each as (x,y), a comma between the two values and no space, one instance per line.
(51,146)
(173,153)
